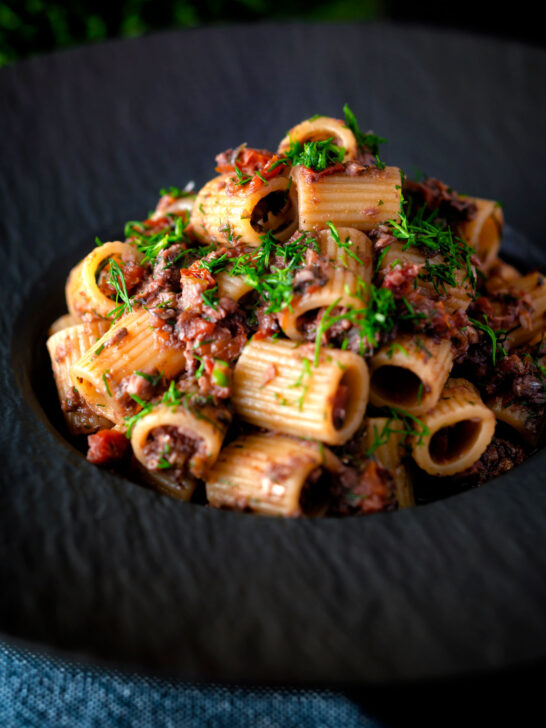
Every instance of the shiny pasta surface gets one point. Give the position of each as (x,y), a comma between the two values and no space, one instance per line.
(310,333)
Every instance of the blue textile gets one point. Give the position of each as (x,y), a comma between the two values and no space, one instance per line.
(40,691)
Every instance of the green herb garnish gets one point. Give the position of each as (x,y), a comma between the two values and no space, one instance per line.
(369,140)
(123,301)
(317,156)
(496,337)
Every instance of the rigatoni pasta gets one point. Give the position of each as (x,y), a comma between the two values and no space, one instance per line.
(362,202)
(130,348)
(349,256)
(271,474)
(280,386)
(410,373)
(227,213)
(85,297)
(484,231)
(384,438)
(66,345)
(456,432)
(309,333)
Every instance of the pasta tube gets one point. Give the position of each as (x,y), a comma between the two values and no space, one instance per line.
(128,347)
(169,205)
(65,347)
(350,253)
(227,214)
(84,298)
(233,286)
(484,231)
(501,276)
(178,441)
(410,373)
(271,474)
(387,441)
(319,129)
(534,287)
(519,417)
(276,385)
(363,201)
(454,297)
(460,428)
(181,488)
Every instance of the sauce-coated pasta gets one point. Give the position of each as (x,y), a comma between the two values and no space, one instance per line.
(310,333)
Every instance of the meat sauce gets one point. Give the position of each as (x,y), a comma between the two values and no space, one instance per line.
(175,280)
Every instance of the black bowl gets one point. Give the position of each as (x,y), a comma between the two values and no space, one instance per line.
(95,566)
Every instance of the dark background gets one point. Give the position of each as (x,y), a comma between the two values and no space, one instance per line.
(29,27)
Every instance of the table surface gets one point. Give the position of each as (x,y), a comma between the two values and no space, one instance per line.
(93,565)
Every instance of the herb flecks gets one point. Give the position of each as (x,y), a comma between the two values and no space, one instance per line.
(303,382)
(401,424)
(423,231)
(347,245)
(368,140)
(124,304)
(317,156)
(374,318)
(496,337)
(146,408)
(150,241)
(211,297)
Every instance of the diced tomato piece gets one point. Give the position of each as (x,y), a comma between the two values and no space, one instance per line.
(106,446)
(247,160)
(197,273)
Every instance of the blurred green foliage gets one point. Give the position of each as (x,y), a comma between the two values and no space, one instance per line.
(28,27)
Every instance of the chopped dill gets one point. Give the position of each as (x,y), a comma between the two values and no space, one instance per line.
(153,379)
(303,381)
(210,297)
(423,230)
(402,423)
(105,380)
(123,301)
(369,140)
(317,156)
(346,245)
(375,317)
(146,408)
(151,243)
(178,192)
(496,337)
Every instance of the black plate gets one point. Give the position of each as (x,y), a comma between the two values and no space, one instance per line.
(93,564)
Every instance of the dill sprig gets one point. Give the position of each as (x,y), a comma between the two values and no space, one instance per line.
(368,140)
(123,301)
(163,463)
(210,297)
(151,243)
(146,408)
(346,245)
(496,337)
(302,382)
(399,422)
(178,192)
(172,397)
(153,379)
(422,230)
(374,318)
(270,268)
(242,179)
(315,155)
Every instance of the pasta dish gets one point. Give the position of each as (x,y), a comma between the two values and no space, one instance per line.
(310,333)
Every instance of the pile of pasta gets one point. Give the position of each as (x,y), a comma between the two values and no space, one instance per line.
(310,333)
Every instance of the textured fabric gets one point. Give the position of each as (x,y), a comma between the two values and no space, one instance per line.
(39,691)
